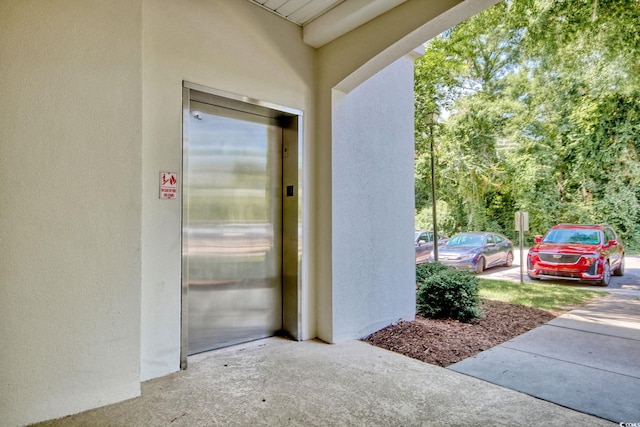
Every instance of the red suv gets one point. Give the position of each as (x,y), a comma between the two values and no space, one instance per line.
(577,252)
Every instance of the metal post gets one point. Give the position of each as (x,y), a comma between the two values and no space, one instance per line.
(433,190)
(521,227)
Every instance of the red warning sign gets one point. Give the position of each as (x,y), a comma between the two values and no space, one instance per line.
(168,185)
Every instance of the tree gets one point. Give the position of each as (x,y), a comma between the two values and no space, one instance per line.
(541,114)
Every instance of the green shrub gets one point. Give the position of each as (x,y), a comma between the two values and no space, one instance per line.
(428,269)
(445,292)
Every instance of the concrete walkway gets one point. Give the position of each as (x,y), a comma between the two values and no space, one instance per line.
(276,382)
(587,360)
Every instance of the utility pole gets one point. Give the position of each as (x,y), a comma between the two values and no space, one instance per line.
(432,121)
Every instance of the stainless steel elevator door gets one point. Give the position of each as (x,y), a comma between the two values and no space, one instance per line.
(232,214)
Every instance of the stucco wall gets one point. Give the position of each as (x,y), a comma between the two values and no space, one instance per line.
(90,112)
(70,168)
(343,65)
(373,203)
(232,46)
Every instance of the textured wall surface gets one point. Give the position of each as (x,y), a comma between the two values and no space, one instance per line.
(343,65)
(373,203)
(70,167)
(90,113)
(232,46)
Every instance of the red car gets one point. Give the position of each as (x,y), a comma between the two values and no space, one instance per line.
(577,252)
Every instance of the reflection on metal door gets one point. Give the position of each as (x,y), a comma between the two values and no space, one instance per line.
(232,226)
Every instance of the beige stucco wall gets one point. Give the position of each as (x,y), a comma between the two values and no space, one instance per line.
(90,113)
(343,65)
(70,206)
(373,283)
(232,46)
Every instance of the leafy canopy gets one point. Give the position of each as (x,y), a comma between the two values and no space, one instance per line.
(540,111)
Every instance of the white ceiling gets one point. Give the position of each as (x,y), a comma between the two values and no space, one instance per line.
(325,20)
(298,11)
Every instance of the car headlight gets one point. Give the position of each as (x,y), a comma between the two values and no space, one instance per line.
(465,257)
(591,258)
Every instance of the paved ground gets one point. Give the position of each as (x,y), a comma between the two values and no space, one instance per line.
(580,361)
(276,382)
(587,360)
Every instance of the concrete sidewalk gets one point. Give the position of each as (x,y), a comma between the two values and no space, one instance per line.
(276,382)
(587,360)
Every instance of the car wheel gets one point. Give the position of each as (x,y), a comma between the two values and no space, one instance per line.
(606,275)
(480,265)
(509,261)
(620,270)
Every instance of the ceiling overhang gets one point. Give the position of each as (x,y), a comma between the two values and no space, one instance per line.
(323,21)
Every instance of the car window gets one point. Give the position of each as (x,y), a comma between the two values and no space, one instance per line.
(609,234)
(466,240)
(579,236)
(490,239)
(425,236)
(498,239)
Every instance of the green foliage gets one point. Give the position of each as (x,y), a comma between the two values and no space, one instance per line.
(446,221)
(445,292)
(428,269)
(542,115)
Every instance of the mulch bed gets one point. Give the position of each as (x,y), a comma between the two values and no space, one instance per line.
(443,342)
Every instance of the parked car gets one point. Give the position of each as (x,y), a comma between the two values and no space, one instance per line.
(577,252)
(424,244)
(476,251)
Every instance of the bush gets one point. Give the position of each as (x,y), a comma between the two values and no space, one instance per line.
(428,269)
(445,292)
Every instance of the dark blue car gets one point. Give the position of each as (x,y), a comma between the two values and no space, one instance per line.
(476,251)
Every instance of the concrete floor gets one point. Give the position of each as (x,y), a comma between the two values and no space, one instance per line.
(277,382)
(587,360)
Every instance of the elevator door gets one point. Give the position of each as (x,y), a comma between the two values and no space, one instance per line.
(232,219)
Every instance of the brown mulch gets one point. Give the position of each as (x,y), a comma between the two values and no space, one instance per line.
(444,341)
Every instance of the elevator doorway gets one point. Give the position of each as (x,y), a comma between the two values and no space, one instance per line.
(238,194)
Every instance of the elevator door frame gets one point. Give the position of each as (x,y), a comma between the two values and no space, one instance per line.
(291,122)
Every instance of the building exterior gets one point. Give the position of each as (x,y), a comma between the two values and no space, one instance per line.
(92,113)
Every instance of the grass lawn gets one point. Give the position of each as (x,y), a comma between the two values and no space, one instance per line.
(554,298)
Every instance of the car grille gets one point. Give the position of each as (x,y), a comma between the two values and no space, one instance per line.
(559,258)
(560,274)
